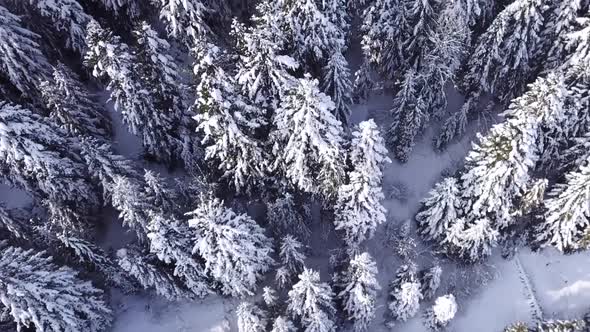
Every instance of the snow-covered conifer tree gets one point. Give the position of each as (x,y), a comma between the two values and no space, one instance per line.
(72,106)
(251,318)
(565,222)
(312,301)
(509,152)
(410,115)
(36,156)
(313,34)
(21,59)
(336,83)
(385,29)
(39,294)
(360,291)
(234,248)
(291,255)
(269,296)
(359,210)
(68,18)
(282,324)
(563,22)
(477,240)
(141,109)
(441,313)
(429,281)
(185,18)
(307,140)
(516,30)
(284,217)
(439,210)
(264,69)
(171,241)
(405,293)
(150,276)
(228,122)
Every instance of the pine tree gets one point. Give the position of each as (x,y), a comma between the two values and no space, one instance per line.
(291,255)
(312,302)
(130,80)
(171,240)
(410,115)
(359,210)
(439,210)
(185,18)
(430,281)
(307,140)
(360,291)
(282,324)
(313,35)
(251,318)
(36,157)
(162,77)
(235,250)
(21,59)
(405,293)
(385,29)
(228,123)
(72,107)
(269,296)
(563,22)
(68,18)
(336,83)
(150,276)
(515,31)
(264,70)
(509,152)
(441,313)
(41,295)
(284,217)
(565,222)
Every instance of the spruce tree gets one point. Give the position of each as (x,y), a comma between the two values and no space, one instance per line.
(291,255)
(440,209)
(21,60)
(359,210)
(312,302)
(251,318)
(72,107)
(264,72)
(405,293)
(130,83)
(360,291)
(68,18)
(41,295)
(234,248)
(441,313)
(336,83)
(282,324)
(228,123)
(149,275)
(430,281)
(186,19)
(307,140)
(36,156)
